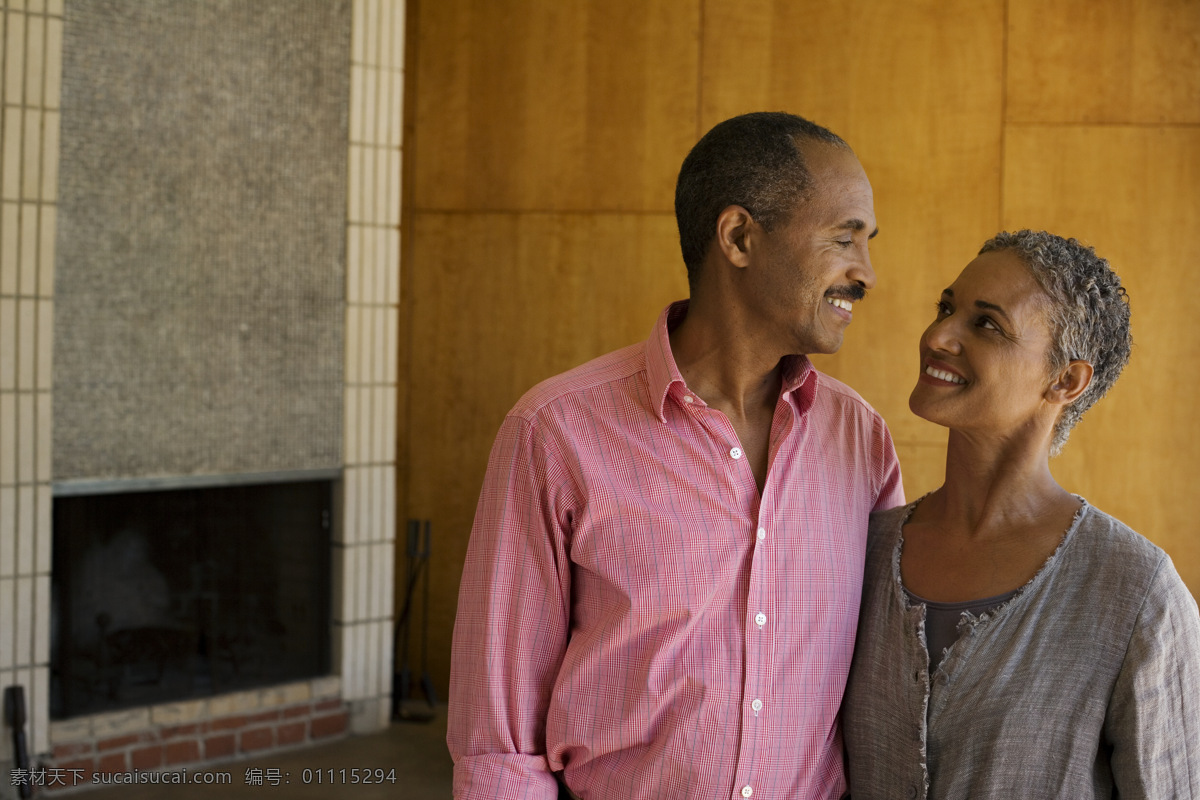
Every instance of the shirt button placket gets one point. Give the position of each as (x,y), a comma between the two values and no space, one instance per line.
(758,641)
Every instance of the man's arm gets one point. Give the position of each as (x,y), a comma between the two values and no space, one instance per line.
(891,486)
(512,624)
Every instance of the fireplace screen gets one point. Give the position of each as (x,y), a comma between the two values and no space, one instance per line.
(169,595)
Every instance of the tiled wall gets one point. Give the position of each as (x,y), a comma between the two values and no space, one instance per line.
(364,556)
(364,551)
(30,81)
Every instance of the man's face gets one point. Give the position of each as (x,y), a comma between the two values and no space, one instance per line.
(805,275)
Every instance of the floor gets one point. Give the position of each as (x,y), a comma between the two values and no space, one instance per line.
(415,750)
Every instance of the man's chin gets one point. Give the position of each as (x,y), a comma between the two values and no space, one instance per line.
(824,347)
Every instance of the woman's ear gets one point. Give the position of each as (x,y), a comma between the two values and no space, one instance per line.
(733,225)
(1070,383)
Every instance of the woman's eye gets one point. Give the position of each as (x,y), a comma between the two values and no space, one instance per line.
(845,242)
(985,322)
(942,308)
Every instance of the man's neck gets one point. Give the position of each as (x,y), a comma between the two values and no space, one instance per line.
(722,362)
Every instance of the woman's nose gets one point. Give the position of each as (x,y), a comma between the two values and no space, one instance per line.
(942,334)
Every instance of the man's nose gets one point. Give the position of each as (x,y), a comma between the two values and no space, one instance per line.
(862,273)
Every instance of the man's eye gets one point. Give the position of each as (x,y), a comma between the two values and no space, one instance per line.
(986,322)
(942,308)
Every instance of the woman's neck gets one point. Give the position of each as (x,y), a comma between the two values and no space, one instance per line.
(994,485)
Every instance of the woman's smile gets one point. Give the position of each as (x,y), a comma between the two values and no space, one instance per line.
(937,373)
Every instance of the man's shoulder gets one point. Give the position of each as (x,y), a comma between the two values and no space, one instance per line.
(833,391)
(602,371)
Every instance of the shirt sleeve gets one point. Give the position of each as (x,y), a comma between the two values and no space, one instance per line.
(891,486)
(513,618)
(1153,722)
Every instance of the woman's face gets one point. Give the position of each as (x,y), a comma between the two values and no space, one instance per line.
(984,358)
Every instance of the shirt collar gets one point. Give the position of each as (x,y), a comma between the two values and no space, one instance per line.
(800,377)
(663,377)
(662,374)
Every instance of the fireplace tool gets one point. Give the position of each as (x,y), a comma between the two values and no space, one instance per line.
(14,716)
(416,563)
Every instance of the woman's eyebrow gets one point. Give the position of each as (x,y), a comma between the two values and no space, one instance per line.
(984,304)
(992,307)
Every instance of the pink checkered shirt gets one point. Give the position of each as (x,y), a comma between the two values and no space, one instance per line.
(634,614)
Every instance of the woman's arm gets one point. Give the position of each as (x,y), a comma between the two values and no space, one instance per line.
(1153,720)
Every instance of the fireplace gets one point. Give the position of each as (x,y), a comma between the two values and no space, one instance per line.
(161,596)
(202,289)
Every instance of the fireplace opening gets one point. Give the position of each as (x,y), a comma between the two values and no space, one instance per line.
(168,595)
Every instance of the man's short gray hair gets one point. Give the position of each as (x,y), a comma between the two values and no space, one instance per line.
(754,161)
(1089,313)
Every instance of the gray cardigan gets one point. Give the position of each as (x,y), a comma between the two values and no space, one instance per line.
(1085,685)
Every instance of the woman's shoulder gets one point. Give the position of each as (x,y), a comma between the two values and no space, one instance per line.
(891,519)
(884,530)
(1110,543)
(1109,558)
(1140,580)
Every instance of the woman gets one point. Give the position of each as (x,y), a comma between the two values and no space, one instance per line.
(1014,641)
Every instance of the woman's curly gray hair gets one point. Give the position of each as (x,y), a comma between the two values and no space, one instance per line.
(1089,313)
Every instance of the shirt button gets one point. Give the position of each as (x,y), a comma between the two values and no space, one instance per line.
(912,791)
(687,398)
(747,791)
(756,705)
(762,534)
(760,619)
(736,453)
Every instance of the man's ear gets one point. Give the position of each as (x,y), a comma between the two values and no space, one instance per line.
(1070,383)
(733,226)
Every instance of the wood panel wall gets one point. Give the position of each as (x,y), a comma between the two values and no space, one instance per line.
(543,140)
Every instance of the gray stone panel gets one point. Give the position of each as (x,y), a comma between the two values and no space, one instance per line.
(199,285)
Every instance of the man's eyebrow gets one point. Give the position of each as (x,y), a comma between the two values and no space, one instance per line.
(858,225)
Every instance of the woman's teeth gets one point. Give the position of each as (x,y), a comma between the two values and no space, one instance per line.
(942,375)
(839,302)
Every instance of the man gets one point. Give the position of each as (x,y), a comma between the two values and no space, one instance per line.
(662,586)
